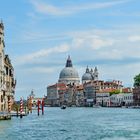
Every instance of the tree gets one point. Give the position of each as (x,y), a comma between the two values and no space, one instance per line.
(137,80)
(114,92)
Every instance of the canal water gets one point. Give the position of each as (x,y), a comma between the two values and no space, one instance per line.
(74,124)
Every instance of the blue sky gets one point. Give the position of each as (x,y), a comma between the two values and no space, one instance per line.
(40,34)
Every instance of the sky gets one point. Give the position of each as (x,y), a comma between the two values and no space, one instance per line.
(40,34)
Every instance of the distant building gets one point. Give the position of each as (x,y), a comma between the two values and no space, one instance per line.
(80,97)
(90,90)
(103,99)
(69,74)
(98,91)
(55,94)
(121,99)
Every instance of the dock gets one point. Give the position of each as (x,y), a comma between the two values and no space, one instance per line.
(5,116)
(16,114)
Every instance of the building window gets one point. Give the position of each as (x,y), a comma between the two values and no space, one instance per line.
(1,98)
(6,70)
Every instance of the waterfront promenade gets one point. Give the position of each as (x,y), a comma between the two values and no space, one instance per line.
(74,124)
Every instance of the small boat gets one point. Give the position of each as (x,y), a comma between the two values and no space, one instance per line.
(136,107)
(63,107)
(96,106)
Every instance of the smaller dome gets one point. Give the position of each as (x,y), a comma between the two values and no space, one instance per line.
(87,76)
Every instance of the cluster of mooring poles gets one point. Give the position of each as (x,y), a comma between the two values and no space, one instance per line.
(40,106)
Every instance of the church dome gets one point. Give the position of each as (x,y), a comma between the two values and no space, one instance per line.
(87,76)
(69,74)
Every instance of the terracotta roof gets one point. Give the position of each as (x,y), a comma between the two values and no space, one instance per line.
(58,85)
(127,90)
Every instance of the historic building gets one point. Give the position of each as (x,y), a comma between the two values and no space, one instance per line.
(7,81)
(90,75)
(69,74)
(10,82)
(92,91)
(98,91)
(80,97)
(2,71)
(103,99)
(55,94)
(121,99)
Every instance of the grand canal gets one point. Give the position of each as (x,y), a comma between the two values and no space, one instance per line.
(74,124)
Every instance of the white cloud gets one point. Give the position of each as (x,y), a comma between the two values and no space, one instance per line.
(112,54)
(98,42)
(92,40)
(48,9)
(38,70)
(134,38)
(42,53)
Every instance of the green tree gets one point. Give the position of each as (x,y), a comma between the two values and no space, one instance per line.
(114,92)
(137,80)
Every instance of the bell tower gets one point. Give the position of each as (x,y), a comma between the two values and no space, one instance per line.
(96,73)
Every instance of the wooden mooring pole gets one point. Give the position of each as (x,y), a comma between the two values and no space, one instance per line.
(21,107)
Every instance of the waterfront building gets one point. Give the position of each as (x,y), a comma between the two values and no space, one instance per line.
(10,83)
(7,81)
(103,98)
(121,99)
(128,99)
(90,90)
(80,98)
(55,94)
(69,74)
(70,96)
(2,71)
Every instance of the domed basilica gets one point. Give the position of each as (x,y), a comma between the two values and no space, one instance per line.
(69,75)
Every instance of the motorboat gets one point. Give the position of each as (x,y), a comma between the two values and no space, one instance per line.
(63,107)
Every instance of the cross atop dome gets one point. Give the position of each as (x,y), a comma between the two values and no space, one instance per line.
(69,62)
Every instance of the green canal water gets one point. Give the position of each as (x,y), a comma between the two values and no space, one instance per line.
(74,124)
